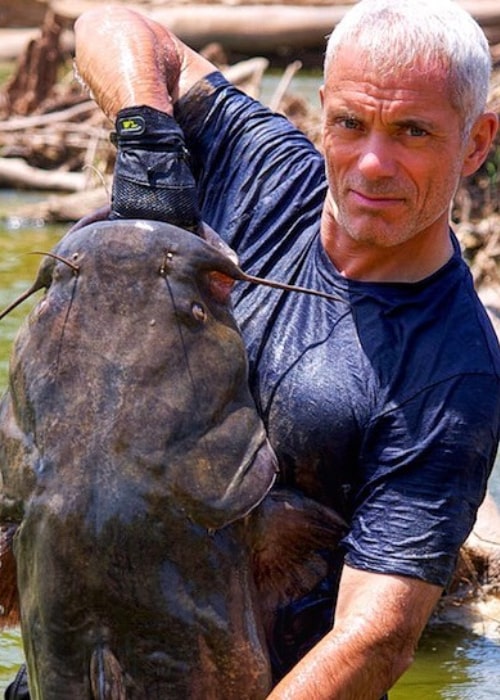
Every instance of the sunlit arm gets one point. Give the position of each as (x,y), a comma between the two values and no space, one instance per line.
(141,64)
(379,621)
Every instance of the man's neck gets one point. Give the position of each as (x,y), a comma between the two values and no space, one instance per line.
(411,261)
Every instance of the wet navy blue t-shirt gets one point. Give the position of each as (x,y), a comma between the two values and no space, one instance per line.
(384,404)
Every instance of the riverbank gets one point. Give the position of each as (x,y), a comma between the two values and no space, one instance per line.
(279,29)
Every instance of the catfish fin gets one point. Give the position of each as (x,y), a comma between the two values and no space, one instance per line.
(288,533)
(9,597)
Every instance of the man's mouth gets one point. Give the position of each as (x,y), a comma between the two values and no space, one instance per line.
(375,200)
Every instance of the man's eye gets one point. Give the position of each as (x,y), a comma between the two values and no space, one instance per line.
(413,130)
(349,123)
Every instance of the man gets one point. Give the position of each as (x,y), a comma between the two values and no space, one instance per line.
(385,406)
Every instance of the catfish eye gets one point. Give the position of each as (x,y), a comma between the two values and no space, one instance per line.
(198,311)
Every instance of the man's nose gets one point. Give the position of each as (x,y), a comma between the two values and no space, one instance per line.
(377,157)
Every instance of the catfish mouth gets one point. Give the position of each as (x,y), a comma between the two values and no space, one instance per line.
(261,466)
(237,483)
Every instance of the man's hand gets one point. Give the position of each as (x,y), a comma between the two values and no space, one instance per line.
(378,622)
(152,178)
(136,75)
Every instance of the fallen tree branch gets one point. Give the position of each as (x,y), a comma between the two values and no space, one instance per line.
(16,173)
(65,207)
(39,120)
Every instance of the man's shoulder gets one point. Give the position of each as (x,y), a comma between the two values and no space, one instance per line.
(447,323)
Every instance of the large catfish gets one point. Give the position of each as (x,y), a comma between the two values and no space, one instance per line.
(136,476)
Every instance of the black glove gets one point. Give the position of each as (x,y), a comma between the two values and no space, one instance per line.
(152,177)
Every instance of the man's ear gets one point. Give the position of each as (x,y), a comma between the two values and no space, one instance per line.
(322,95)
(479,142)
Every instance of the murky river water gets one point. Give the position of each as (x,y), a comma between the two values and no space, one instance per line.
(451,664)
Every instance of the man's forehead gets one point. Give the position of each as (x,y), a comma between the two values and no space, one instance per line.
(390,62)
(355,67)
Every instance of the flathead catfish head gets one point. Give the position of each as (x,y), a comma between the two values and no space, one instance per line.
(128,382)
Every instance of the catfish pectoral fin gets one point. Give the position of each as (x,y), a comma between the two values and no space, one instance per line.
(288,534)
(9,597)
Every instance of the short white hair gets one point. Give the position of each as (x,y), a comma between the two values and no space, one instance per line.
(431,32)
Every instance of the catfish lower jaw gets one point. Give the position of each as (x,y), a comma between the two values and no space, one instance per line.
(237,497)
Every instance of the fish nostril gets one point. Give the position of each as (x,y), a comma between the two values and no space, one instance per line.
(198,311)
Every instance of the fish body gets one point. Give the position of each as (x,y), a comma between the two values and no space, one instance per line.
(134,466)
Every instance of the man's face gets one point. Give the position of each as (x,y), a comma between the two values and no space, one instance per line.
(393,147)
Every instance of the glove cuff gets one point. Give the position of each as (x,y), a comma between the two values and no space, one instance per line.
(147,127)
(152,178)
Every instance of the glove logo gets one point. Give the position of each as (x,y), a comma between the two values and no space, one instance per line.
(131,125)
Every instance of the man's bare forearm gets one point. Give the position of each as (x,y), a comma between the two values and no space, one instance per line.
(378,623)
(142,64)
(343,667)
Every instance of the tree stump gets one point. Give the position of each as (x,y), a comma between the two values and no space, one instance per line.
(37,71)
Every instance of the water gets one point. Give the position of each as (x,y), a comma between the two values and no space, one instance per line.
(18,266)
(303,83)
(451,663)
(11,656)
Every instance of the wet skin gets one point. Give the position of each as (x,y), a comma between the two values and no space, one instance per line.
(394,153)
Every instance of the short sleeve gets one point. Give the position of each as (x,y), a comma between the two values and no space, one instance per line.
(424,469)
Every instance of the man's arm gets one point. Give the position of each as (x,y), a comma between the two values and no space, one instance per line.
(136,69)
(128,60)
(378,622)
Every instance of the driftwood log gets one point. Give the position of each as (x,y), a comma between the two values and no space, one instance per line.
(248,27)
(37,69)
